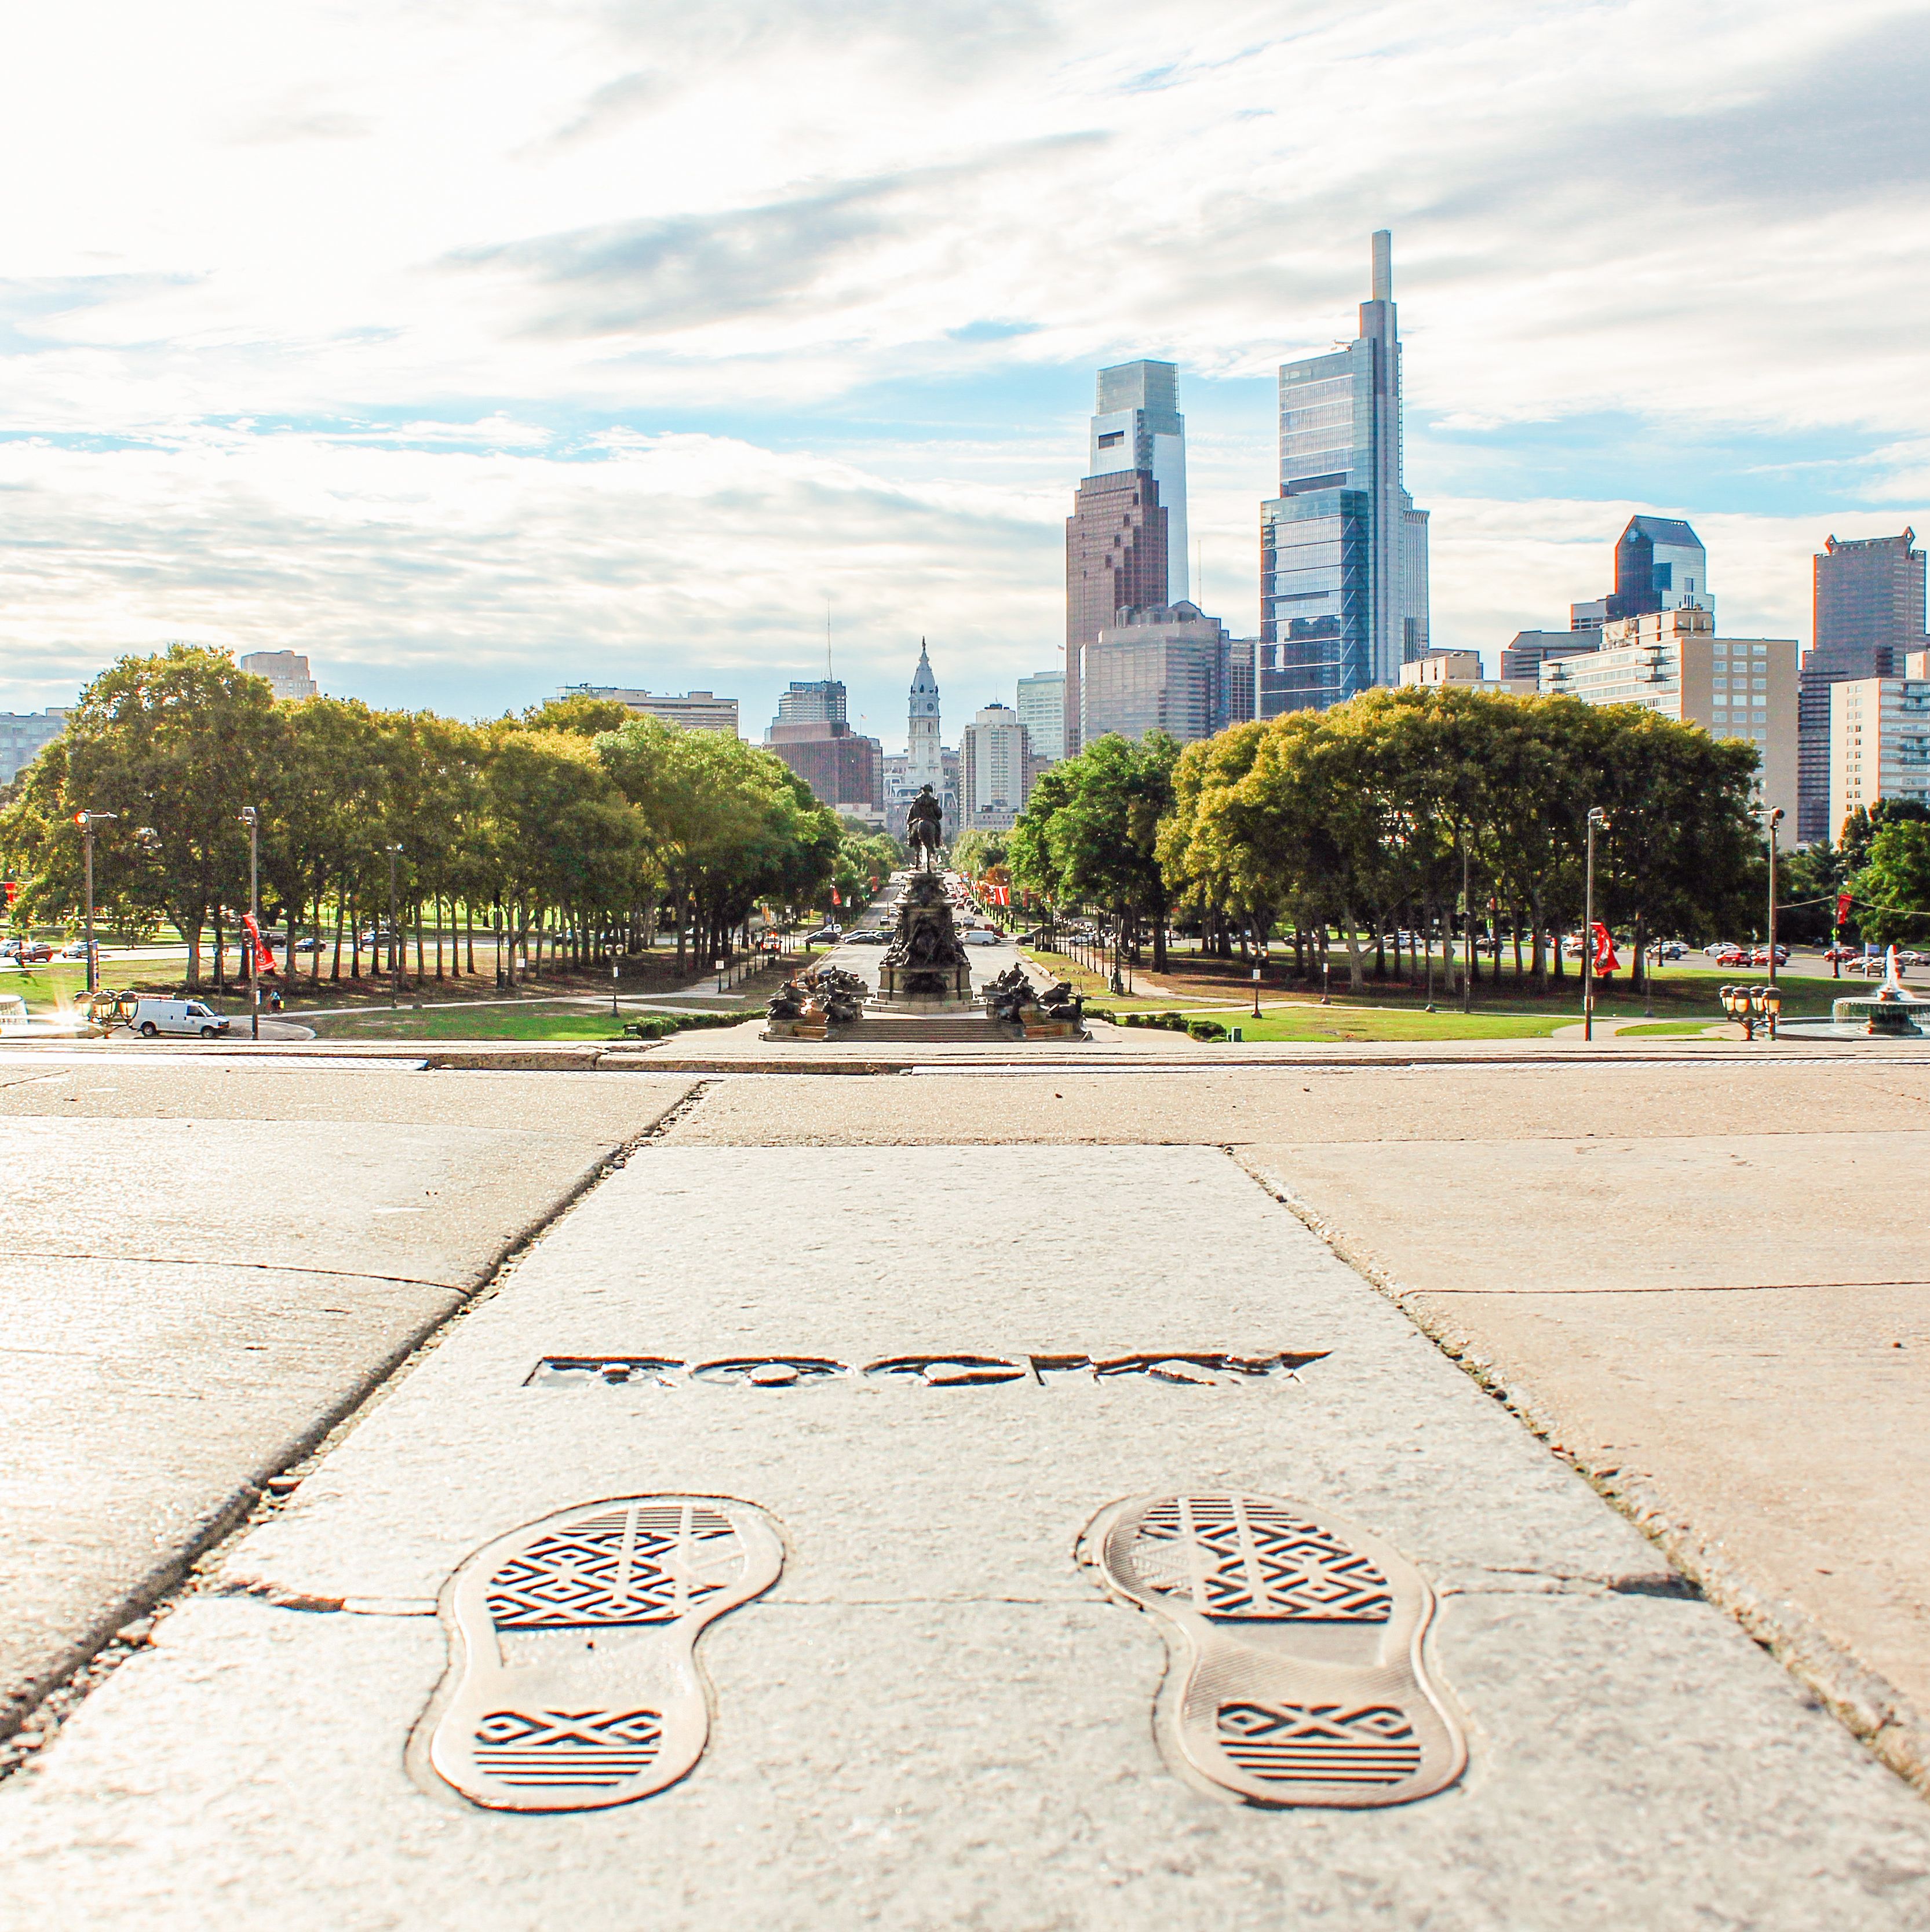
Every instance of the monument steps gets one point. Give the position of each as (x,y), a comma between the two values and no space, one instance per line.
(921,1029)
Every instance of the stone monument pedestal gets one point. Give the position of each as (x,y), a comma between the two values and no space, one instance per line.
(924,969)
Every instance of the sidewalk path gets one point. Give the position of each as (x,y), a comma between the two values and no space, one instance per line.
(209,1262)
(932,1719)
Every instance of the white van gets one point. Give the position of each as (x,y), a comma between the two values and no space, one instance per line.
(189,1016)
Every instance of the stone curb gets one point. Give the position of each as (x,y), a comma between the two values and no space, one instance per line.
(1864,1701)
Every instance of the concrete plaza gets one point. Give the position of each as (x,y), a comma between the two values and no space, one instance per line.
(1695,1280)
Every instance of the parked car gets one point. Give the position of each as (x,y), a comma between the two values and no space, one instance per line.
(311,944)
(74,949)
(1716,947)
(1734,955)
(1668,949)
(825,934)
(1759,955)
(34,953)
(865,936)
(155,1016)
(977,936)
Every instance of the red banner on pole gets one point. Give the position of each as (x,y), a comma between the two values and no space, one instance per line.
(264,960)
(1844,902)
(1605,961)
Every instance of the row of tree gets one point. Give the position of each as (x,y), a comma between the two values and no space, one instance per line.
(578,822)
(1404,810)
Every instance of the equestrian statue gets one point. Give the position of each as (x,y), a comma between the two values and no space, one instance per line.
(924,829)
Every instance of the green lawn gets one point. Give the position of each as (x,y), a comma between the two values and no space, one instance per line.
(476,1023)
(1679,1029)
(1337,1022)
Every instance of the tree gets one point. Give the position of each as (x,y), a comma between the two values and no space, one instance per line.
(1093,836)
(585,716)
(1893,889)
(175,744)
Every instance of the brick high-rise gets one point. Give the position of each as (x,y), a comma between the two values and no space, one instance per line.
(1116,559)
(1869,610)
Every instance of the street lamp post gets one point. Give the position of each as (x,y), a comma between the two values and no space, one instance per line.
(1467,914)
(1597,818)
(1774,816)
(87,820)
(251,819)
(395,933)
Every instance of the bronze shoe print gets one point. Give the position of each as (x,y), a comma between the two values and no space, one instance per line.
(573,1681)
(1297,1672)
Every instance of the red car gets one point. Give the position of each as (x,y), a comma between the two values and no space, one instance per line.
(1736,956)
(34,952)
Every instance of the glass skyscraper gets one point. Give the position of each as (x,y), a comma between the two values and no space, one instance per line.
(1126,537)
(1343,551)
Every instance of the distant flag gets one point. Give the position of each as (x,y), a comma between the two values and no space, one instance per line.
(1844,902)
(835,900)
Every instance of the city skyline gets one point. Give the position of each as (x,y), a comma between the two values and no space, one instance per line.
(513,429)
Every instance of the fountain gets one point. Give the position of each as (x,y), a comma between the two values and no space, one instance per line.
(1892,1012)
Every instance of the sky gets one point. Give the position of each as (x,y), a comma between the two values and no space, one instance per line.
(475,350)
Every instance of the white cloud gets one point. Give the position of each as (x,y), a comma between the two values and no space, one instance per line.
(383,333)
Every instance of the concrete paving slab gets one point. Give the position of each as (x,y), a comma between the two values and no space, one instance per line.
(1724,1333)
(192,1301)
(1721,1210)
(932,1719)
(145,1406)
(1774,1419)
(361,1089)
(981,1764)
(1356,1100)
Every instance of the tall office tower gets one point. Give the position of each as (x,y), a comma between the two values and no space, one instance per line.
(1879,739)
(1138,426)
(1868,611)
(1660,564)
(1167,669)
(287,672)
(1126,538)
(1042,710)
(1343,551)
(924,756)
(1672,662)
(1115,560)
(24,735)
(820,701)
(995,769)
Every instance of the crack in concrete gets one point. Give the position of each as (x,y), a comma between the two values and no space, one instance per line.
(100,1652)
(1872,1709)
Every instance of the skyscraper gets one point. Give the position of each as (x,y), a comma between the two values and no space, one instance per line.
(1660,564)
(1868,611)
(819,700)
(1166,669)
(995,769)
(1126,537)
(287,672)
(1042,710)
(1138,426)
(1343,551)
